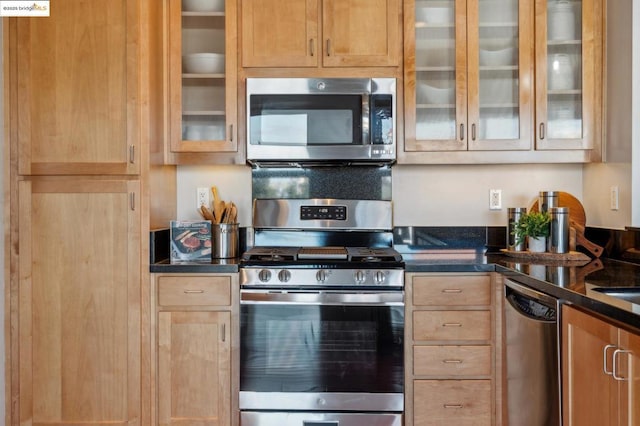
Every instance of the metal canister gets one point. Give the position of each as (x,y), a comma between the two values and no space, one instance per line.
(558,241)
(514,214)
(225,240)
(548,199)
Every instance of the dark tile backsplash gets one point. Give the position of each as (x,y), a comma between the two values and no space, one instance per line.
(416,238)
(617,244)
(362,182)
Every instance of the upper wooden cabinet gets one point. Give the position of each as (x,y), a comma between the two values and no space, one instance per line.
(320,33)
(77,93)
(568,73)
(481,81)
(468,75)
(202,72)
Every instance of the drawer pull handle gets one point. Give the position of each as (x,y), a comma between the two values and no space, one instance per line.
(224,332)
(452,290)
(452,361)
(452,324)
(453,406)
(193,291)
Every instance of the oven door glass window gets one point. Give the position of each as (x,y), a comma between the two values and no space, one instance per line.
(320,348)
(306,120)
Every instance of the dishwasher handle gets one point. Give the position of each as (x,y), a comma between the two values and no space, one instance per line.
(530,303)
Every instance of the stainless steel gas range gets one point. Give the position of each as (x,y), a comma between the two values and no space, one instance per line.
(322,316)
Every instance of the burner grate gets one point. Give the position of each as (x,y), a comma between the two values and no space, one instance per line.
(339,253)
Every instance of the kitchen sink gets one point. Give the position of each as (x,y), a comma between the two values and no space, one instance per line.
(629,294)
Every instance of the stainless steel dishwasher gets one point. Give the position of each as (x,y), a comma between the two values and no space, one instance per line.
(531,356)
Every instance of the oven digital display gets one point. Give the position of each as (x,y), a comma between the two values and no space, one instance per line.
(323,213)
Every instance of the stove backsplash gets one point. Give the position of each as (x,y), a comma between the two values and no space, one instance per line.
(344,182)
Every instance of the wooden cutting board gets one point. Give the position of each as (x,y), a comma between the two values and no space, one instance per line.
(577,220)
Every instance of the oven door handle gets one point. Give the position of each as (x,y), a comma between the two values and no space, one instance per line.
(323,297)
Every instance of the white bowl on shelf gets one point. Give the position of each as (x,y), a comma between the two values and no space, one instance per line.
(427,93)
(498,57)
(203,63)
(203,5)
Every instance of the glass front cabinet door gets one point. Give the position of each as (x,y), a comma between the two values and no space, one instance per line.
(202,76)
(567,65)
(471,77)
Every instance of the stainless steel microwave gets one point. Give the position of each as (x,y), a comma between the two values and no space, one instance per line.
(309,120)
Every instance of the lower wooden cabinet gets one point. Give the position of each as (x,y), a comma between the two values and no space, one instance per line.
(196,349)
(601,371)
(75,324)
(452,372)
(453,402)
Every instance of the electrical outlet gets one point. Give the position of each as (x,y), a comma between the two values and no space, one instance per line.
(614,198)
(202,198)
(495,199)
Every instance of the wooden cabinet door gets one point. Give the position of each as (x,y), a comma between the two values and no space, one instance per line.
(500,70)
(280,33)
(628,362)
(360,33)
(77,89)
(568,73)
(79,306)
(194,368)
(589,391)
(203,114)
(468,75)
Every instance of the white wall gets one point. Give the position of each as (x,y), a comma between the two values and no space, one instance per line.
(635,146)
(233,183)
(597,183)
(622,154)
(423,195)
(459,195)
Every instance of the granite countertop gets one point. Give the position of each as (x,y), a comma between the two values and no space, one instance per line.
(570,282)
(476,249)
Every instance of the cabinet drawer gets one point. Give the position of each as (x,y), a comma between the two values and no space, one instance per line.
(452,360)
(203,290)
(452,402)
(451,325)
(447,291)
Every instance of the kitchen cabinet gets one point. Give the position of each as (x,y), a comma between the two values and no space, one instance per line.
(77,341)
(452,373)
(197,341)
(468,74)
(202,74)
(601,371)
(78,103)
(569,39)
(321,33)
(475,82)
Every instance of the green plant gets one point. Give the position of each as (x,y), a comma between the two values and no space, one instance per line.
(533,224)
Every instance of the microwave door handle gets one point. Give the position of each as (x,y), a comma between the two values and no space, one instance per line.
(366,111)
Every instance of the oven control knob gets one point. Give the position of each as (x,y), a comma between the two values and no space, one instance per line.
(360,276)
(321,276)
(264,275)
(379,277)
(284,276)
